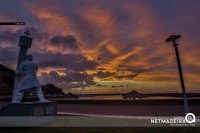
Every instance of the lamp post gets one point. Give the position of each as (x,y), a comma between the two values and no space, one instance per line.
(173,39)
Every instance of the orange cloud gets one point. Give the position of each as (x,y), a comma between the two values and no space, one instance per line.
(141,42)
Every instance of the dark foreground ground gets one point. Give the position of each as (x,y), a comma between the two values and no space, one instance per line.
(173,107)
(158,107)
(100,130)
(128,110)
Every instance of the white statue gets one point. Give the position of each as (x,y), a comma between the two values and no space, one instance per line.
(29,82)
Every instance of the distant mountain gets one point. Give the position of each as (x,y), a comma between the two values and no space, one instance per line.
(7,77)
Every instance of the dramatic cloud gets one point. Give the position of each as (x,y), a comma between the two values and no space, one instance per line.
(106,40)
(68,81)
(6,36)
(104,55)
(131,76)
(101,74)
(65,42)
(8,56)
(133,69)
(77,62)
(13,36)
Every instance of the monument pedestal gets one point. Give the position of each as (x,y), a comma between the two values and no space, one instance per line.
(30,109)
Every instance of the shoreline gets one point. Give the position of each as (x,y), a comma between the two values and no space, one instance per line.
(120,102)
(131,102)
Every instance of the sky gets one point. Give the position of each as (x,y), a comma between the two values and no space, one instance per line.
(109,46)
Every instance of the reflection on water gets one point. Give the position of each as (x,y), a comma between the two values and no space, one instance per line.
(118,97)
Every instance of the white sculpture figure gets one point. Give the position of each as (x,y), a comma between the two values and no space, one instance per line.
(30,82)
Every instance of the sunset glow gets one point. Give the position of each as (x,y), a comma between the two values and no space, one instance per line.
(117,44)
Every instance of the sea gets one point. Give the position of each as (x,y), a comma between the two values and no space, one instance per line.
(119,97)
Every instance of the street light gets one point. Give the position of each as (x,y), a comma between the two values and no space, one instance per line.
(173,39)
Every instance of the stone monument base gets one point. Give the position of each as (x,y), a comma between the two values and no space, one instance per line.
(30,109)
